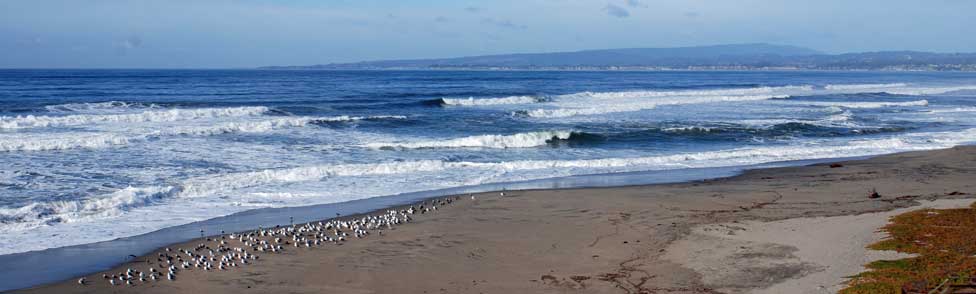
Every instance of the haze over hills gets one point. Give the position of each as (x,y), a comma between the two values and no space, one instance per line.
(736,56)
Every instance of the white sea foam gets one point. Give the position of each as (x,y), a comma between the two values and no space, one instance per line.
(58,141)
(521,140)
(783,90)
(953,110)
(171,115)
(916,91)
(638,105)
(471,101)
(52,213)
(696,129)
(747,92)
(90,140)
(599,103)
(346,118)
(896,89)
(198,191)
(105,139)
(841,117)
(110,106)
(855,104)
(261,126)
(847,87)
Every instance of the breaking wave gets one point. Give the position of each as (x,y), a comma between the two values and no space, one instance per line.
(95,140)
(929,90)
(896,89)
(49,142)
(98,106)
(346,118)
(65,141)
(471,101)
(114,204)
(521,140)
(864,104)
(749,92)
(31,121)
(596,108)
(846,87)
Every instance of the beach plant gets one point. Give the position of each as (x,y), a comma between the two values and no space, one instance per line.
(943,242)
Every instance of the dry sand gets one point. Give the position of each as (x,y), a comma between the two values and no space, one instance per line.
(821,250)
(669,238)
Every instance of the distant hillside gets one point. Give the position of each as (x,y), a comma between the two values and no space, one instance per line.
(741,56)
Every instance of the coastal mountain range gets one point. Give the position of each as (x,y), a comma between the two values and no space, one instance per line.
(718,57)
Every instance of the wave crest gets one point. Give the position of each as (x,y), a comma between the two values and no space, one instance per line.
(748,92)
(521,140)
(116,203)
(596,109)
(98,106)
(471,101)
(62,142)
(171,115)
(346,118)
(845,87)
(856,104)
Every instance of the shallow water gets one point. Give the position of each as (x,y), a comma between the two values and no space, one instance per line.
(95,155)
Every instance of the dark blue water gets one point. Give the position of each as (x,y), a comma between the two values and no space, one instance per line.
(95,155)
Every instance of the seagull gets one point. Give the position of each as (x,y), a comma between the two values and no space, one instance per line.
(81,281)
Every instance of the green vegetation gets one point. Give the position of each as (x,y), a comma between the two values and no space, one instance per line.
(944,241)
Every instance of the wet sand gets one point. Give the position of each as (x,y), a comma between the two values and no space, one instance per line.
(602,240)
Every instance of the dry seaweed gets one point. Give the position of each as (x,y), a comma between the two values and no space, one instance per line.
(944,241)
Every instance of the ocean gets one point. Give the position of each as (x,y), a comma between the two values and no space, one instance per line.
(94,155)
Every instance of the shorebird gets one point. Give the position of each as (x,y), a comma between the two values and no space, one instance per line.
(274,240)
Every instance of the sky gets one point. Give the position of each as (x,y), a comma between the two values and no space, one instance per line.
(250,33)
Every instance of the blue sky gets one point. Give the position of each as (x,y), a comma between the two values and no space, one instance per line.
(248,33)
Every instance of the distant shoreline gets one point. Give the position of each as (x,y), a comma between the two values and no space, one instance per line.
(628,69)
(304,68)
(716,57)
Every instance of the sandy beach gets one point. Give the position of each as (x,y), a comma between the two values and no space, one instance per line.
(780,230)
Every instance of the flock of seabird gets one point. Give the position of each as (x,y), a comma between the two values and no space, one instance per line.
(241,249)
